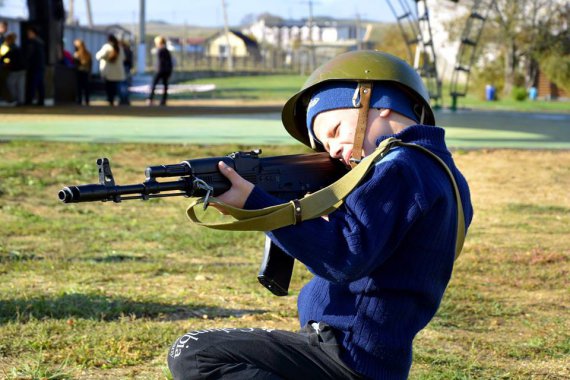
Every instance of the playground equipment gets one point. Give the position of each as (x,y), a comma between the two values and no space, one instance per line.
(467,49)
(416,30)
(414,24)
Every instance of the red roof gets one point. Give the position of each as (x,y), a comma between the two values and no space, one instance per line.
(195,40)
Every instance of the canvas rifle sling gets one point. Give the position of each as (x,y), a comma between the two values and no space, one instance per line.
(319,203)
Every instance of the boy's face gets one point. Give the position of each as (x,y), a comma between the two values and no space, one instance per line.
(336,128)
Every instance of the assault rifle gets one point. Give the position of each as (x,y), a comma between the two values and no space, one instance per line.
(287,177)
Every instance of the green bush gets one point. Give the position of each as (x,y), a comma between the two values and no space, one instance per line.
(518,93)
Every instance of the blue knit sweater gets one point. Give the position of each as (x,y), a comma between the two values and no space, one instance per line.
(383,260)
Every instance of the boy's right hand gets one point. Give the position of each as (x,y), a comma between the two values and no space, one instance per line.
(240,190)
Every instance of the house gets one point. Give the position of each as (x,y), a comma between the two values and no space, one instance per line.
(325,31)
(194,45)
(240,45)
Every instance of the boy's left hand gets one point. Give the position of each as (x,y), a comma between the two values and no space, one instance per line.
(240,190)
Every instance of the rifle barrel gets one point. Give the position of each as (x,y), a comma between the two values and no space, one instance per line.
(98,192)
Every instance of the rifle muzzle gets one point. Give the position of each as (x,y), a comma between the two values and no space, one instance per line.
(84,193)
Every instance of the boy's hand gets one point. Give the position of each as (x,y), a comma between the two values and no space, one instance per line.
(240,190)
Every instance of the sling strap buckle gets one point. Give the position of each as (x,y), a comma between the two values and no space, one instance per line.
(297,211)
(201,184)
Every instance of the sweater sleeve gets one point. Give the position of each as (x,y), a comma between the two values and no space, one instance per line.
(360,235)
(102,53)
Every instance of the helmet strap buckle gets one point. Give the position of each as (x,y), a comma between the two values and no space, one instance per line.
(356,97)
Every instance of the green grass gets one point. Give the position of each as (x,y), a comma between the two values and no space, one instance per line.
(101,290)
(256,87)
(475,101)
(281,87)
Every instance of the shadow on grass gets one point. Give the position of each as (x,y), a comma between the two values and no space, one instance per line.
(18,256)
(118,258)
(99,307)
(173,110)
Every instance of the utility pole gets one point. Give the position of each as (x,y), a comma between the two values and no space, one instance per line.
(358,28)
(227,31)
(70,13)
(183,44)
(141,56)
(89,14)
(311,41)
(312,58)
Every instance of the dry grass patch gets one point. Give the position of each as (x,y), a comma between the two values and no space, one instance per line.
(97,291)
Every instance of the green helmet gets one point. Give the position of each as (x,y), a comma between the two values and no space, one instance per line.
(355,66)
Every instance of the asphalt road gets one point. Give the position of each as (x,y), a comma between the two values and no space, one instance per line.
(260,125)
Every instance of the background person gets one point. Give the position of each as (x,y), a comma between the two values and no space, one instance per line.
(381,261)
(111,58)
(163,70)
(128,66)
(3,73)
(36,66)
(3,31)
(12,60)
(83,63)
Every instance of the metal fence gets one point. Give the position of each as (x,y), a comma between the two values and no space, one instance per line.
(267,61)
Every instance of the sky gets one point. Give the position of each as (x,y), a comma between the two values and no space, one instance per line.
(209,13)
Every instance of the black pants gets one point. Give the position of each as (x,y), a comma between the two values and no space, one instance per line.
(82,87)
(35,85)
(160,76)
(253,353)
(111,88)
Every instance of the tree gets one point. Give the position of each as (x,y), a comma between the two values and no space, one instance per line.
(521,26)
(553,55)
(390,40)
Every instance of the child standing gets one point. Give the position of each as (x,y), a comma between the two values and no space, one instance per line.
(163,70)
(381,262)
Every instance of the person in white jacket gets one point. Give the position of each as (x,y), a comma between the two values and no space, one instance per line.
(111,57)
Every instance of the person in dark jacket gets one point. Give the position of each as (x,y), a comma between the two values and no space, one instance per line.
(36,66)
(164,69)
(13,62)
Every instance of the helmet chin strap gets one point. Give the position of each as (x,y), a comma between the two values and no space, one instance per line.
(361,100)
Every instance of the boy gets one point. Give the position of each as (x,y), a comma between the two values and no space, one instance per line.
(381,261)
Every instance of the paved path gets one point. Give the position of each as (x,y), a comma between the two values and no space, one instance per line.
(259,125)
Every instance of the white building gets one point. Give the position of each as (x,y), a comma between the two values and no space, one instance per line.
(289,34)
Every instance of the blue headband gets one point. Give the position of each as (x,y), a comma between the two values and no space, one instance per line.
(338,95)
